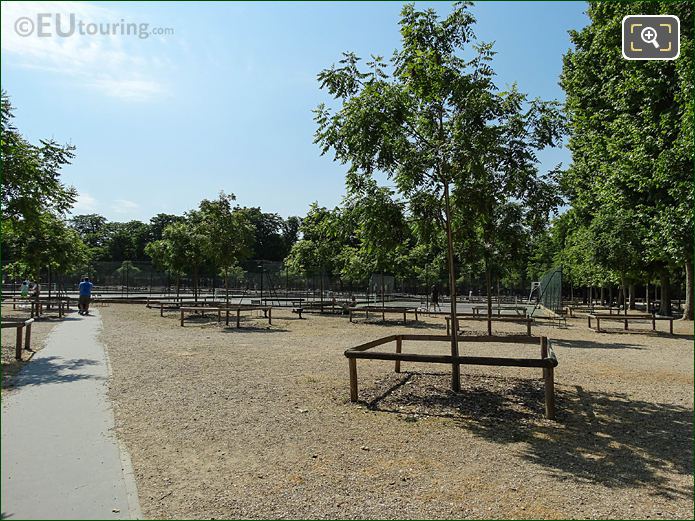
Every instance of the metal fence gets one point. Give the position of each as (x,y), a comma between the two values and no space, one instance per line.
(258,277)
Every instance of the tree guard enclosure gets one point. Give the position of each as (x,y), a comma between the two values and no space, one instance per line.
(547,360)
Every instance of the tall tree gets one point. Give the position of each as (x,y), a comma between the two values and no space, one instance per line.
(632,140)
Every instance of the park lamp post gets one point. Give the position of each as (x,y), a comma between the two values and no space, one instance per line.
(261,267)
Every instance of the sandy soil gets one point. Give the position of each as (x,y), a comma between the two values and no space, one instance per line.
(40,330)
(256,422)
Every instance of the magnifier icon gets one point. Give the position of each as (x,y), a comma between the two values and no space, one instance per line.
(648,35)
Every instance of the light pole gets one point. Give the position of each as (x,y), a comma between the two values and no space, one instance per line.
(261,266)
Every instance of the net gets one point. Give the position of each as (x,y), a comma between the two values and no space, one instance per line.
(549,292)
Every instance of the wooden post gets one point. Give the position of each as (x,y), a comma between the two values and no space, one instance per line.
(399,346)
(404,319)
(653,323)
(181,317)
(270,317)
(588,317)
(670,325)
(544,347)
(27,337)
(625,324)
(448,328)
(161,309)
(350,315)
(226,320)
(219,315)
(238,317)
(598,324)
(528,327)
(18,345)
(353,379)
(549,377)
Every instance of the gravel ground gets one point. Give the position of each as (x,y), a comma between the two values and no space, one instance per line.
(40,330)
(256,422)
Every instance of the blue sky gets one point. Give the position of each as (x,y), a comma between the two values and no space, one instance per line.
(224,103)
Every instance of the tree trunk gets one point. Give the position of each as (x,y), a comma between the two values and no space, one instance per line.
(488,284)
(665,307)
(688,309)
(383,302)
(455,368)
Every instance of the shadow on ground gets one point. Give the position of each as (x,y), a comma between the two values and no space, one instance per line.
(53,369)
(246,328)
(589,344)
(399,323)
(599,437)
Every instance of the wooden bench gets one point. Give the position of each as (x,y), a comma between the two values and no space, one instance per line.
(267,312)
(625,319)
(21,326)
(547,361)
(589,310)
(383,311)
(37,307)
(521,311)
(517,320)
(200,309)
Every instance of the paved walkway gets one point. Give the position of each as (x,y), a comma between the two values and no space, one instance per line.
(60,457)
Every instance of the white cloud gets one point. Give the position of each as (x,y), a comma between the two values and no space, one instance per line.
(118,65)
(124,206)
(85,204)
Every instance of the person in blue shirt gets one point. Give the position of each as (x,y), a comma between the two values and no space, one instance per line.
(85,296)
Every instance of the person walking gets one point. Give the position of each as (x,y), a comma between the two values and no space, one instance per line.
(85,296)
(435,298)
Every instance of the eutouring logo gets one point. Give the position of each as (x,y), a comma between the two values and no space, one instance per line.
(48,25)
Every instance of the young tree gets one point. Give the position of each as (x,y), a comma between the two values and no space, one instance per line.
(435,125)
(319,249)
(230,232)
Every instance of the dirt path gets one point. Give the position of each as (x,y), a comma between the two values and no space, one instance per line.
(256,423)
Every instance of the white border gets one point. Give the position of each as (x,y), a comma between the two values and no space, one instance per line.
(622,35)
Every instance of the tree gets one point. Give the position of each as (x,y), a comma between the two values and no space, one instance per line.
(435,125)
(127,240)
(45,242)
(31,184)
(159,222)
(319,250)
(124,270)
(381,227)
(95,231)
(231,233)
(632,140)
